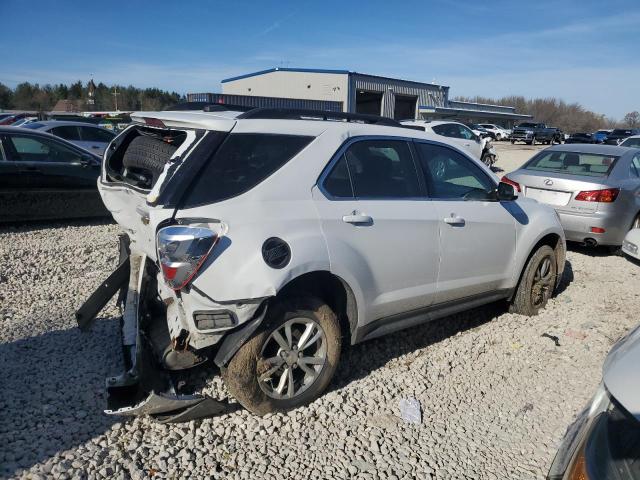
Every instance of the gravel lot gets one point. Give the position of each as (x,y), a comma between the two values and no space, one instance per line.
(496,397)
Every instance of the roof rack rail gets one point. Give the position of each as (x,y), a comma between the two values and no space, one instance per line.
(302,114)
(207,107)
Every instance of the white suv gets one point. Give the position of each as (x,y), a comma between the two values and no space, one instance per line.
(267,240)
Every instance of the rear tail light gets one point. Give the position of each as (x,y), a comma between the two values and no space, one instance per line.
(603,196)
(182,251)
(597,230)
(515,185)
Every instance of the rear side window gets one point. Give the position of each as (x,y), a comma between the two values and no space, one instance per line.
(242,162)
(635,167)
(68,132)
(573,163)
(91,134)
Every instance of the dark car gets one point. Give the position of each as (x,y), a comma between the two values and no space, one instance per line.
(581,138)
(617,136)
(45,177)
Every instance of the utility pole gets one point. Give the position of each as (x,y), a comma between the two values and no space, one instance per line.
(115,96)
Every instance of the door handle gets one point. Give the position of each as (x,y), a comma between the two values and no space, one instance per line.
(95,146)
(31,169)
(454,220)
(357,219)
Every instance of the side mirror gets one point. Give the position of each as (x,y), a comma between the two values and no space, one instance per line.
(87,161)
(505,192)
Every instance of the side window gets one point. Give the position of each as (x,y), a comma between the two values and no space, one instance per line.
(447,130)
(30,149)
(68,132)
(382,169)
(243,161)
(338,183)
(635,166)
(449,174)
(465,133)
(92,134)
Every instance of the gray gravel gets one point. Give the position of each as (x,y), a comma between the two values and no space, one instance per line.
(496,397)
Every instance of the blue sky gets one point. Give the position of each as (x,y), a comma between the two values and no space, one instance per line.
(584,51)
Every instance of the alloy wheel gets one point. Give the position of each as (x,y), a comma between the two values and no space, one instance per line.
(292,358)
(542,285)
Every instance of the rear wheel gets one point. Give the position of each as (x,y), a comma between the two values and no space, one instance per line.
(537,283)
(290,361)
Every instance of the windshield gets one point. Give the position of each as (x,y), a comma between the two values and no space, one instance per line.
(618,131)
(602,132)
(527,125)
(631,142)
(573,163)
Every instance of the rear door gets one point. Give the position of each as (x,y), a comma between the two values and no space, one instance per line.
(381,232)
(477,235)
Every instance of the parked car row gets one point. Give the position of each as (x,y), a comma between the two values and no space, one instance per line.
(610,137)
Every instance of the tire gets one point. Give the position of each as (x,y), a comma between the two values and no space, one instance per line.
(513,142)
(533,141)
(147,155)
(242,373)
(537,283)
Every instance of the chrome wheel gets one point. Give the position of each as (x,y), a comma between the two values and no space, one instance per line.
(542,285)
(291,358)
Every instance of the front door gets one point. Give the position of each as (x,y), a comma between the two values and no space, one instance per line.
(477,234)
(381,232)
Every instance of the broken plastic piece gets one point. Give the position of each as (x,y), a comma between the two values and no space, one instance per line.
(410,410)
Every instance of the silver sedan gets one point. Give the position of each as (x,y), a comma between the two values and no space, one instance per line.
(595,189)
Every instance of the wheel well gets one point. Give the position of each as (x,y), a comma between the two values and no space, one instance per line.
(552,240)
(330,289)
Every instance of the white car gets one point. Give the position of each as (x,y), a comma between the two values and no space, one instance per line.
(633,141)
(498,132)
(457,133)
(266,240)
(85,135)
(631,243)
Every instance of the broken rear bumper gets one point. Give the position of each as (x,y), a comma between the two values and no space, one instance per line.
(144,388)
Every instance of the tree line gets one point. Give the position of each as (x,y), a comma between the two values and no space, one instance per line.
(42,98)
(570,117)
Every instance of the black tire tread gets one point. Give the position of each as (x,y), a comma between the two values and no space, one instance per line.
(240,374)
(521,301)
(149,154)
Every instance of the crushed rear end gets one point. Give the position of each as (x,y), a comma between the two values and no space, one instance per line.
(157,352)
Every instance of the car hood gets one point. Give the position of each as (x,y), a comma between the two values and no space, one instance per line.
(620,372)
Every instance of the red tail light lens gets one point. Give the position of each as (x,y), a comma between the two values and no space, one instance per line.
(515,185)
(182,251)
(603,196)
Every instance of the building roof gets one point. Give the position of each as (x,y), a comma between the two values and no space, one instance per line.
(67,106)
(321,70)
(473,112)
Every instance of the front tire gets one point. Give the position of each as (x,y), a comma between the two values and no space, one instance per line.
(290,361)
(536,284)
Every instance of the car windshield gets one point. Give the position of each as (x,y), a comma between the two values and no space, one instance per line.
(631,142)
(573,163)
(602,132)
(527,125)
(619,131)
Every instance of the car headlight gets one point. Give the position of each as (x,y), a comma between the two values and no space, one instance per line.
(608,449)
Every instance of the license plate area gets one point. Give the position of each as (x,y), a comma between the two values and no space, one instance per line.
(550,197)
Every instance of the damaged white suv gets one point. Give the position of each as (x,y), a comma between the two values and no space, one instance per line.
(266,240)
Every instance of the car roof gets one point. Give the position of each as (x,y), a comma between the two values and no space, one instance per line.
(226,120)
(66,123)
(589,148)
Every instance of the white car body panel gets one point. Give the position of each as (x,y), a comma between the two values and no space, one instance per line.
(408,259)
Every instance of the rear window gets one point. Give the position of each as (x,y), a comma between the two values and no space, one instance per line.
(573,163)
(242,162)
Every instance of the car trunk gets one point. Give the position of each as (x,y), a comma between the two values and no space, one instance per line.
(558,190)
(141,204)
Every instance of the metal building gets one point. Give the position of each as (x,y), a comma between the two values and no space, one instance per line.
(355,92)
(358,92)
